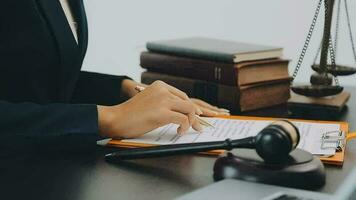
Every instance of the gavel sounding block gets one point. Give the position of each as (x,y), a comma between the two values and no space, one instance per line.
(300,170)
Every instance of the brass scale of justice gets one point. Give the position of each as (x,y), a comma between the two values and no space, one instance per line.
(325,74)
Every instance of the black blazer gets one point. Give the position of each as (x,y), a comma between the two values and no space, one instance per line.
(42,88)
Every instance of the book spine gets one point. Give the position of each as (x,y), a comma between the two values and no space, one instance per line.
(265,95)
(215,94)
(192,53)
(222,73)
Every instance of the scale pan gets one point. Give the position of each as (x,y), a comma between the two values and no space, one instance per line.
(339,70)
(317,90)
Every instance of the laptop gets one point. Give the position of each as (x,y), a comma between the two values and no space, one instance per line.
(237,189)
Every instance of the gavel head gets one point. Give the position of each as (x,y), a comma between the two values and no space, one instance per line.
(276,141)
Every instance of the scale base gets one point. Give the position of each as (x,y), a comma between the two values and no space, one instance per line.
(328,108)
(301,170)
(317,90)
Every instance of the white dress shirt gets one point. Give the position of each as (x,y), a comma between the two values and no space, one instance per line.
(72,23)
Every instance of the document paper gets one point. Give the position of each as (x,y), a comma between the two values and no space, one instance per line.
(311,133)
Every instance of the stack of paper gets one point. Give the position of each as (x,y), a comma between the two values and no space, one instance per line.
(311,133)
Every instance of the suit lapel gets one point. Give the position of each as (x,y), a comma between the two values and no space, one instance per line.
(68,50)
(56,19)
(80,17)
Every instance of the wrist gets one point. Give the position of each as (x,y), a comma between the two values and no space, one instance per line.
(128,87)
(105,118)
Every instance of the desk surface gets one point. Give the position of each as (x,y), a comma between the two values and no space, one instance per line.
(83,174)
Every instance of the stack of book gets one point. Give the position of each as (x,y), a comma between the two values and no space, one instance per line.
(238,76)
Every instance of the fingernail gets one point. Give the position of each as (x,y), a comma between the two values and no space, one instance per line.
(181,132)
(224,113)
(224,110)
(199,112)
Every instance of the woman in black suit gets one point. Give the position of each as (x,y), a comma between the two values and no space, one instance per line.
(44,92)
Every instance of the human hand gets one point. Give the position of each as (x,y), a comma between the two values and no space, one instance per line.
(159,104)
(128,89)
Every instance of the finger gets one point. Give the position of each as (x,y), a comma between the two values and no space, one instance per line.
(171,89)
(209,106)
(177,92)
(191,118)
(208,112)
(197,109)
(197,126)
(181,120)
(182,106)
(205,104)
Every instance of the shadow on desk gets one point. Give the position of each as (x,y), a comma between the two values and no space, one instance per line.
(165,170)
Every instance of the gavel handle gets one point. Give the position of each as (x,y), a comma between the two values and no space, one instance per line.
(178,149)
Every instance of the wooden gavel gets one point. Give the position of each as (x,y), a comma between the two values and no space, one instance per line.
(273,144)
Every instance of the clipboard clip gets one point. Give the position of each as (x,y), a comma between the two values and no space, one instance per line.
(333,140)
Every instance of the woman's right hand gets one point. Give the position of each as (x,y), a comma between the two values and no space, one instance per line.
(159,104)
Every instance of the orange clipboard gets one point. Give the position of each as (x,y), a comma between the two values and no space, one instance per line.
(337,159)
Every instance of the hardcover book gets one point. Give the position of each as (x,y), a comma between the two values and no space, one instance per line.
(215,49)
(234,74)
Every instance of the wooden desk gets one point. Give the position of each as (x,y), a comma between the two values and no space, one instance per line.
(29,173)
